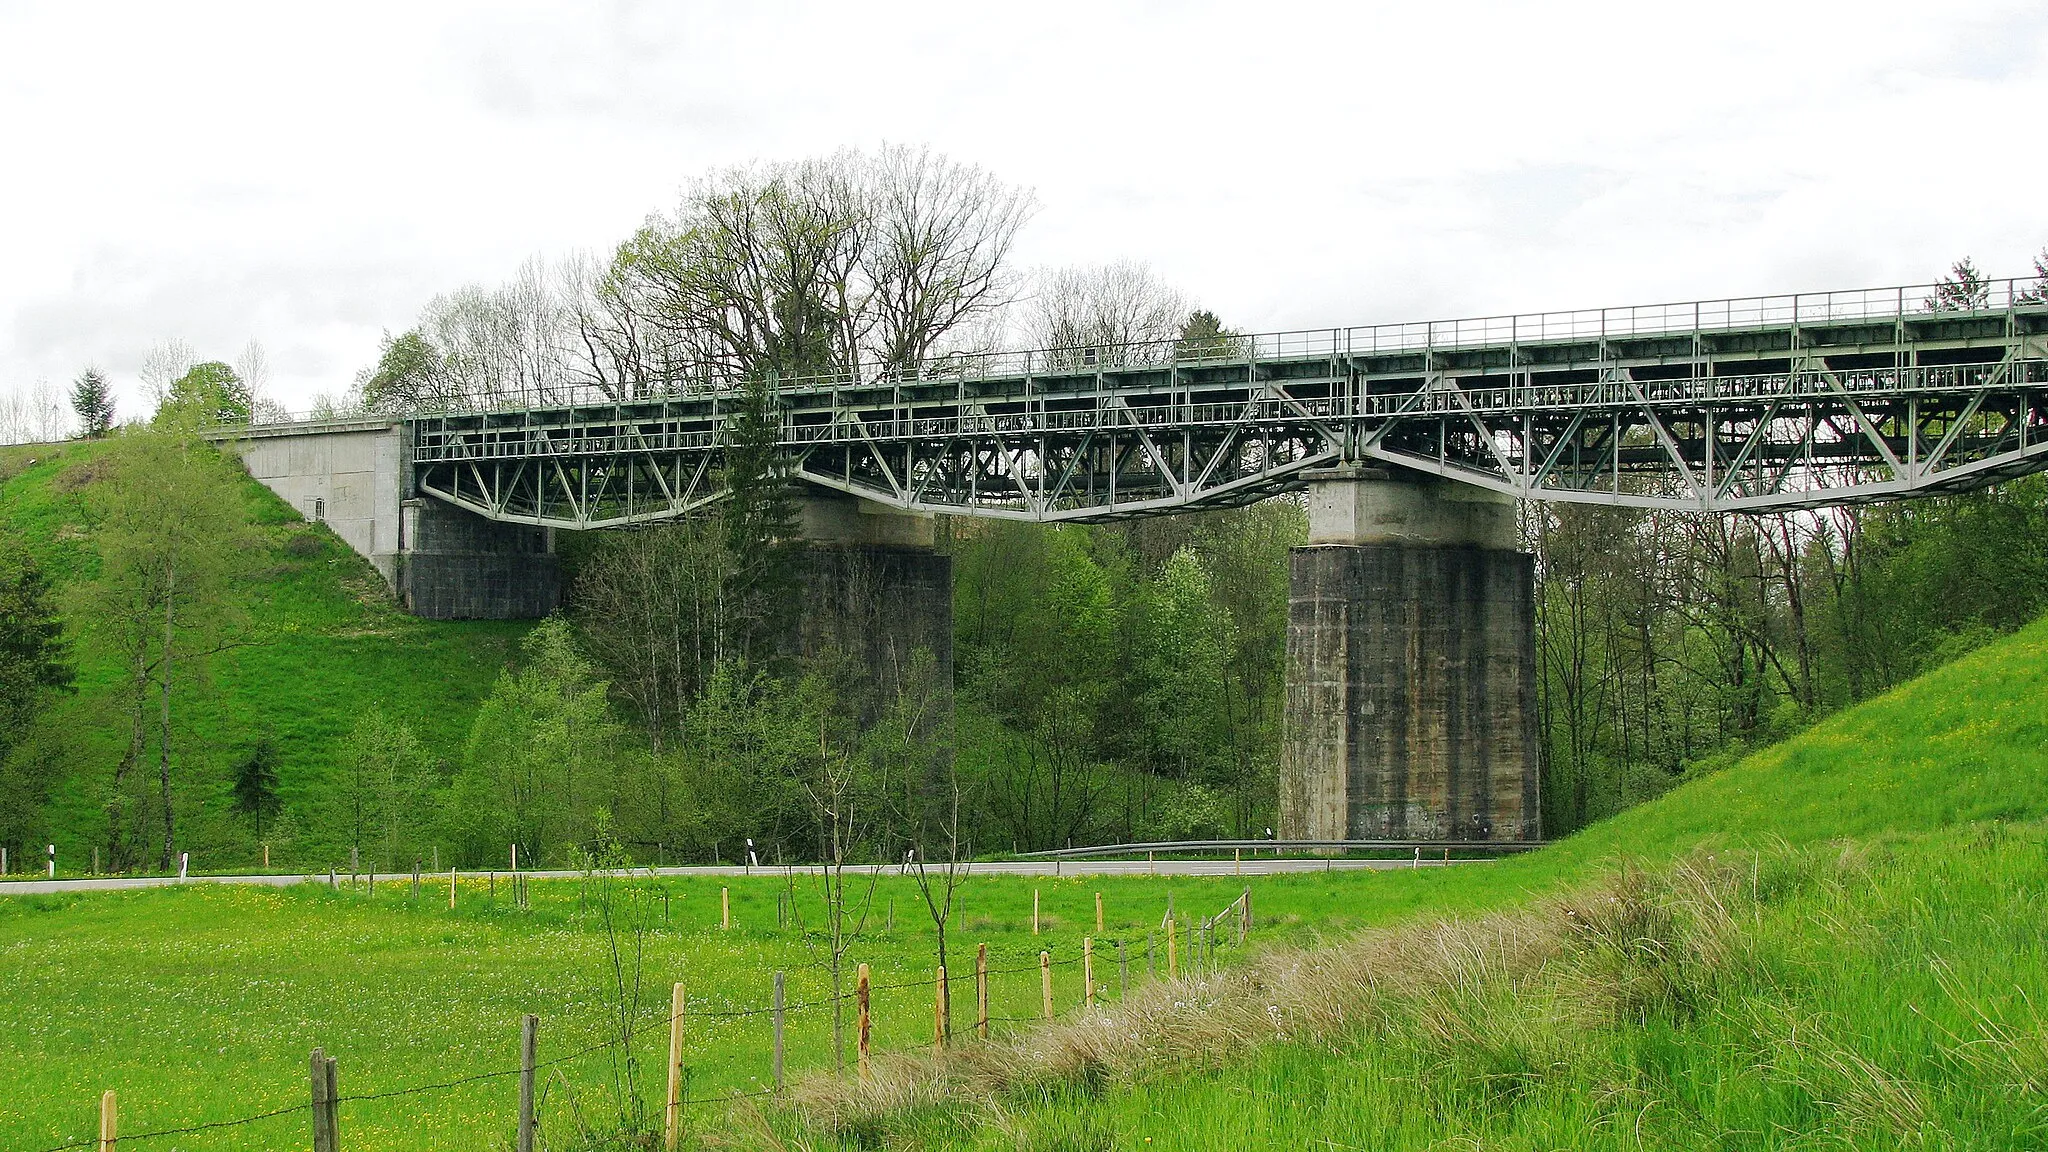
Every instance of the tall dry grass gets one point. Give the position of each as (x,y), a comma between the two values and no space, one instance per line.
(1489,1003)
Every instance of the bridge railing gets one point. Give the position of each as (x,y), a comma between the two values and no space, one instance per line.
(601,439)
(1580,325)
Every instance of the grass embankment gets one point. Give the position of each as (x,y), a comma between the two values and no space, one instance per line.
(200,1004)
(1834,943)
(323,644)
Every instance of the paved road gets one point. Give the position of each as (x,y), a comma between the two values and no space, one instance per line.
(1251,867)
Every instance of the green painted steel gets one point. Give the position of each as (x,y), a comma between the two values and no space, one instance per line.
(1761,403)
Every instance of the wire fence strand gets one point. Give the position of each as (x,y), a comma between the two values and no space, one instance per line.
(663,1019)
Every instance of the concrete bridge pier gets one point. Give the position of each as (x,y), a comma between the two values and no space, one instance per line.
(875,587)
(1411,665)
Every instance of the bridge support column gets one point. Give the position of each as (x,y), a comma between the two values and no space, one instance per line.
(876,589)
(1411,665)
(456,565)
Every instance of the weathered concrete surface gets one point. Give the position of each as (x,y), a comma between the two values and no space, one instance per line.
(346,474)
(1411,669)
(828,517)
(874,588)
(1362,505)
(456,565)
(444,563)
(880,606)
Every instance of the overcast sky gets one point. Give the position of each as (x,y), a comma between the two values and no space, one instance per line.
(219,173)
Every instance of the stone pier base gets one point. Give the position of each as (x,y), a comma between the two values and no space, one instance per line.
(876,590)
(456,565)
(1411,666)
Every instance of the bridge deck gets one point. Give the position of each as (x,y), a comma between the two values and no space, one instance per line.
(1766,403)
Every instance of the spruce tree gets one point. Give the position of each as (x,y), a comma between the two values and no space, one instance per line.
(93,400)
(759,524)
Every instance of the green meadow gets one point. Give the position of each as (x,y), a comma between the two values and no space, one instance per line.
(1834,943)
(200,1004)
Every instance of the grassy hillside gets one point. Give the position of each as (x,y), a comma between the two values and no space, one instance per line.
(1833,944)
(325,643)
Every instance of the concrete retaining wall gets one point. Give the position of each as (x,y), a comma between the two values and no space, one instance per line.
(348,476)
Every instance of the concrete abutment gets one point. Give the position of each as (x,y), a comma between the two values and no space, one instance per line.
(1411,665)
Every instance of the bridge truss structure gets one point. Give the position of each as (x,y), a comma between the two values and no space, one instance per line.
(1752,404)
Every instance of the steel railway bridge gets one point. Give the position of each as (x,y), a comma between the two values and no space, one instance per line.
(1411,665)
(1726,405)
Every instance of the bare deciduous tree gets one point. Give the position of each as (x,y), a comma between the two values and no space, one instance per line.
(938,253)
(163,365)
(1111,314)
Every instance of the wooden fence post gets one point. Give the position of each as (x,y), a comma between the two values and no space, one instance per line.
(861,1019)
(939,1025)
(529,1053)
(107,1121)
(672,1108)
(779,1015)
(1098,913)
(1088,971)
(325,1130)
(1034,911)
(1172,952)
(451,889)
(725,909)
(981,990)
(1244,915)
(333,1107)
(266,859)
(1237,860)
(1123,972)
(1045,981)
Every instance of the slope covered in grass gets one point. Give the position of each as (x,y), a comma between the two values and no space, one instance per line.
(323,644)
(1966,742)
(1834,943)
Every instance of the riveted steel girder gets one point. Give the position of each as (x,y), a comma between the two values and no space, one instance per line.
(1772,403)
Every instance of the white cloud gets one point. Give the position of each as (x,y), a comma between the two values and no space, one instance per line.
(223,172)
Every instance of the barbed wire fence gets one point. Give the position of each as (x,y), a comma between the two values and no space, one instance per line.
(541,1078)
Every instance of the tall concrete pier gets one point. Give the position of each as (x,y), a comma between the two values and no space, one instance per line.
(876,588)
(1411,665)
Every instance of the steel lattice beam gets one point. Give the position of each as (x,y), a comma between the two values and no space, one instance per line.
(1845,403)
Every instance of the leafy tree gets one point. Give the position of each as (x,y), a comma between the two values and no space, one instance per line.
(174,546)
(544,754)
(2037,292)
(35,664)
(1182,662)
(93,400)
(387,789)
(255,785)
(1963,289)
(409,375)
(1204,337)
(758,521)
(209,393)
